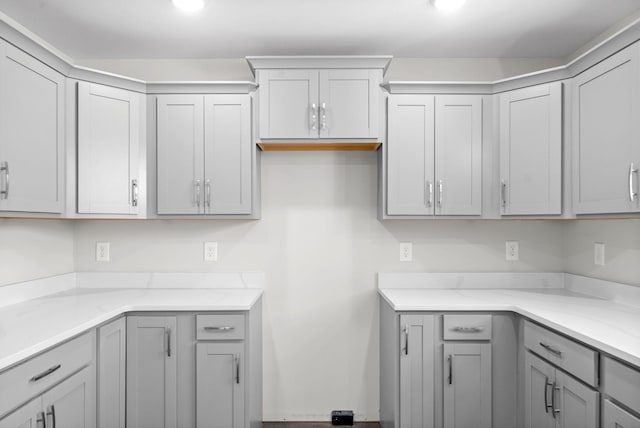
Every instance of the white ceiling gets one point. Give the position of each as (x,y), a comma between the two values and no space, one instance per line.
(96,29)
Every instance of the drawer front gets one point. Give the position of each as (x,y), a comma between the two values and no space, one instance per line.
(34,376)
(466,327)
(622,383)
(615,417)
(220,327)
(564,353)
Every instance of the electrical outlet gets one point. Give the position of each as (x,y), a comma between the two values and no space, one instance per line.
(210,251)
(102,251)
(513,250)
(406,251)
(598,253)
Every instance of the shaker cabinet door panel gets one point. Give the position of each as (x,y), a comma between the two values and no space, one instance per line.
(180,160)
(31,134)
(606,134)
(220,385)
(417,390)
(71,404)
(151,372)
(410,155)
(531,150)
(108,144)
(288,104)
(111,374)
(539,378)
(458,155)
(227,156)
(348,103)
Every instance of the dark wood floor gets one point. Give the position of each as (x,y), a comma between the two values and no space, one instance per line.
(315,424)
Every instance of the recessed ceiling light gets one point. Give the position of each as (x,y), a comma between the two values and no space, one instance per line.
(448,5)
(188,5)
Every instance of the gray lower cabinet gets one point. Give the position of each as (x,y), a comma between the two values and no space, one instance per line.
(220,385)
(616,417)
(437,370)
(111,374)
(467,387)
(152,372)
(69,404)
(556,399)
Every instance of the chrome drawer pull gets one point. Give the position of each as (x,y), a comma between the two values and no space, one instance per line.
(450,359)
(551,349)
(134,193)
(553,400)
(4,194)
(632,194)
(221,328)
(45,373)
(468,329)
(547,384)
(503,193)
(40,420)
(237,358)
(406,339)
(51,411)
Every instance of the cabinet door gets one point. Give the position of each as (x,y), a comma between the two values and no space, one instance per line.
(151,372)
(417,392)
(578,403)
(180,154)
(467,385)
(613,417)
(458,155)
(538,380)
(108,144)
(227,161)
(31,134)
(606,135)
(410,155)
(530,150)
(288,104)
(28,416)
(220,385)
(111,374)
(349,103)
(71,404)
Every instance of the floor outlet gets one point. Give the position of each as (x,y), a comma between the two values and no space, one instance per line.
(210,251)
(513,250)
(598,253)
(102,251)
(406,251)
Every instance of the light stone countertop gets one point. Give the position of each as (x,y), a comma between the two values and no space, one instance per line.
(32,326)
(609,326)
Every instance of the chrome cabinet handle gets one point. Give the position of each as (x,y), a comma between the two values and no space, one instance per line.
(237,361)
(450,359)
(134,193)
(547,406)
(405,330)
(219,328)
(207,193)
(40,420)
(323,116)
(503,193)
(196,193)
(440,191)
(168,333)
(4,194)
(463,329)
(632,193)
(551,349)
(45,373)
(429,192)
(51,411)
(554,388)
(314,117)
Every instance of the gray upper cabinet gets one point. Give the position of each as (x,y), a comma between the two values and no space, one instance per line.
(434,155)
(313,104)
(531,150)
(606,135)
(31,134)
(108,146)
(204,154)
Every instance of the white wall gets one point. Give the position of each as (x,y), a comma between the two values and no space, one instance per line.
(320,244)
(31,249)
(622,249)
